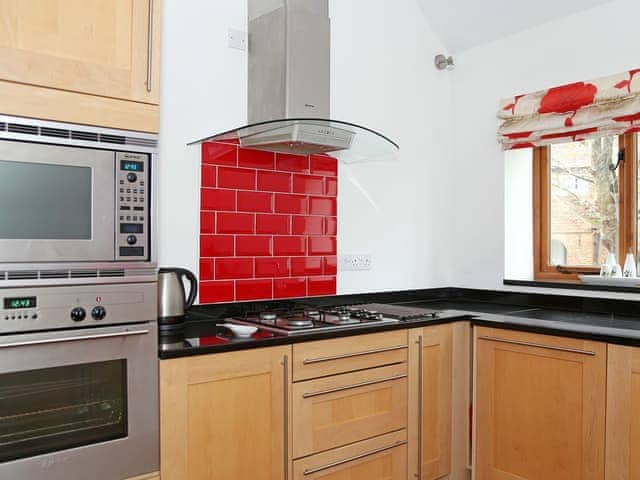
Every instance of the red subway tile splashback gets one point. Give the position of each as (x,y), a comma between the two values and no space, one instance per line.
(209,174)
(289,287)
(254,289)
(309,184)
(215,292)
(292,163)
(267,224)
(274,182)
(272,267)
(324,165)
(219,154)
(235,222)
(216,246)
(273,224)
(297,204)
(289,245)
(253,246)
(233,268)
(255,202)
(306,225)
(322,206)
(239,178)
(303,266)
(216,199)
(321,286)
(322,245)
(256,159)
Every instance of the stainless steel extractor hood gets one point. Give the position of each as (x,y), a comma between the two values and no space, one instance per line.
(289,87)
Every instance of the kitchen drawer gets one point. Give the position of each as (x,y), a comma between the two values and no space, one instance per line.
(379,458)
(335,411)
(340,355)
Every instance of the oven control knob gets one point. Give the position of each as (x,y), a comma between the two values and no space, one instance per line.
(98,313)
(78,314)
(132,239)
(131,177)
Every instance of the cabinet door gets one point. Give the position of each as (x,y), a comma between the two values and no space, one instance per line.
(540,407)
(341,409)
(224,416)
(623,413)
(108,48)
(430,393)
(379,458)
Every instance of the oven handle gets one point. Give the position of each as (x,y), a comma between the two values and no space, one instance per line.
(99,336)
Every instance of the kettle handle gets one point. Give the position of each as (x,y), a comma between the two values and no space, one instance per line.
(193,285)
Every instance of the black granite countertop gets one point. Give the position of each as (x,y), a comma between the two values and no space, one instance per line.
(204,334)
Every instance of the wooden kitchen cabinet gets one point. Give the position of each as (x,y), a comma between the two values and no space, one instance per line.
(225,416)
(379,458)
(623,413)
(430,394)
(83,61)
(539,407)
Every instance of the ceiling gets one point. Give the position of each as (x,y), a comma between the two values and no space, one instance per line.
(462,24)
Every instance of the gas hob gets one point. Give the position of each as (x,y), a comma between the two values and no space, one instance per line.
(305,319)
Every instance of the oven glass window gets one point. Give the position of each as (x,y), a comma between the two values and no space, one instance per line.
(56,408)
(43,201)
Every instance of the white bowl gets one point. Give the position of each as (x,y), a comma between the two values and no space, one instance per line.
(242,331)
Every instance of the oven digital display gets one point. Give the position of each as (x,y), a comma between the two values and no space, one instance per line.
(131,166)
(19,302)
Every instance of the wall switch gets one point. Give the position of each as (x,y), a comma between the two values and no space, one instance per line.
(355,262)
(237,39)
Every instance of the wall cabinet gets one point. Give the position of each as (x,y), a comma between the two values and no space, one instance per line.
(225,416)
(82,61)
(623,413)
(540,407)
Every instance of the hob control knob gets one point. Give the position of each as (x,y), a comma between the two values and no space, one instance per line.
(132,239)
(131,177)
(98,313)
(78,314)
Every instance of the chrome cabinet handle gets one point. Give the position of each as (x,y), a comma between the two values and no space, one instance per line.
(149,45)
(538,345)
(285,365)
(349,355)
(353,459)
(45,341)
(355,385)
(420,396)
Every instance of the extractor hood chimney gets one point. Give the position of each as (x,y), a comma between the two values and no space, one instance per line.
(289,78)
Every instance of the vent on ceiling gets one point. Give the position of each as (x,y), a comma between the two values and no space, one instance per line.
(111,273)
(22,275)
(49,274)
(83,273)
(82,135)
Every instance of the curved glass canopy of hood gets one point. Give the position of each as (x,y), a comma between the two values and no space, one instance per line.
(348,142)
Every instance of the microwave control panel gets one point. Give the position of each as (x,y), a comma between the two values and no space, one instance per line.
(132,206)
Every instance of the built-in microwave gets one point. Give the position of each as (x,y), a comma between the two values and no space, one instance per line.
(73,194)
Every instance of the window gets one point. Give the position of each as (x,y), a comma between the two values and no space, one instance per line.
(585,205)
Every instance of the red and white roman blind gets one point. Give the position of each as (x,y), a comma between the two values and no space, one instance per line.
(573,112)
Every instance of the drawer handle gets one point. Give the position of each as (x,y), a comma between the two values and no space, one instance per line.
(355,385)
(353,459)
(285,368)
(538,345)
(349,355)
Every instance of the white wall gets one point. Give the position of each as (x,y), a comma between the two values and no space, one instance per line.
(382,77)
(595,43)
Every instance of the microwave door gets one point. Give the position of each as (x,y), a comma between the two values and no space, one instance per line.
(58,203)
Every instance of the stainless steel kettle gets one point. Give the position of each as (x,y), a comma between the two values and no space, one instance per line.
(172,299)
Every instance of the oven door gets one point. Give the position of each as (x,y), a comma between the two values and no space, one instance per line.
(57,203)
(79,404)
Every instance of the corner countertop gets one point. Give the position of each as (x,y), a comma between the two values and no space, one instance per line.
(204,334)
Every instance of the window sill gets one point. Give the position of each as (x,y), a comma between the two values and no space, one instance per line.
(570,285)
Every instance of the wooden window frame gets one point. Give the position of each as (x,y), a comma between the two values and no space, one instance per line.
(628,195)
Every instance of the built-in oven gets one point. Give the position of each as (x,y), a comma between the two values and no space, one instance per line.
(78,382)
(73,193)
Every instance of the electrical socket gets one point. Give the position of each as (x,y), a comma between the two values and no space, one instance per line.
(355,262)
(237,39)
